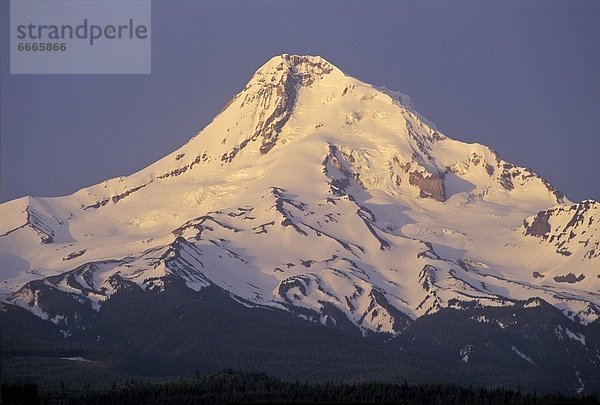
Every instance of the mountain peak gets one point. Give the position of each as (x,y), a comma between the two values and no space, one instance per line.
(303,69)
(294,60)
(298,61)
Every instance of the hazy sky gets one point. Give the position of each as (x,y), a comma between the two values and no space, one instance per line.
(520,76)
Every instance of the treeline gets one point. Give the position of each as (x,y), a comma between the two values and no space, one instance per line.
(20,394)
(233,387)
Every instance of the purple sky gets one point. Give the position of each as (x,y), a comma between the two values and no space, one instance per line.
(521,77)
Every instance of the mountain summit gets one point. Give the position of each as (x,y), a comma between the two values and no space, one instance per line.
(318,194)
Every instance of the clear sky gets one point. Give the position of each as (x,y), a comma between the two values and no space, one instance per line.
(520,76)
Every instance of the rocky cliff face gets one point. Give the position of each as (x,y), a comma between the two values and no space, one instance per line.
(570,229)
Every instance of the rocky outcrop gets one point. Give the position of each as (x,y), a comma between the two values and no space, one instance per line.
(334,168)
(430,186)
(569,278)
(540,226)
(568,228)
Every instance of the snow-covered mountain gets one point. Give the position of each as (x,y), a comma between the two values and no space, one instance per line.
(318,194)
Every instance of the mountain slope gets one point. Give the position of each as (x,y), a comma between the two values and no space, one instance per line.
(183,332)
